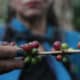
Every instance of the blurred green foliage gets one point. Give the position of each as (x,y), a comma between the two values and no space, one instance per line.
(76,17)
(76,14)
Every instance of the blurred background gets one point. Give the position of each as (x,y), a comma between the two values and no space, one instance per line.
(67,12)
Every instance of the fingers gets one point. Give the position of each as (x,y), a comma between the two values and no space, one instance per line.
(8,51)
(15,63)
(8,65)
(4,43)
(12,43)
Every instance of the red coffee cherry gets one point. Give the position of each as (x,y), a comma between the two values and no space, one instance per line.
(57,45)
(35,44)
(26,47)
(59,57)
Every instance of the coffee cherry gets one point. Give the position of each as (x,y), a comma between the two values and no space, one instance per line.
(57,45)
(39,58)
(30,44)
(59,57)
(78,45)
(65,59)
(34,61)
(26,47)
(34,51)
(64,46)
(27,59)
(35,44)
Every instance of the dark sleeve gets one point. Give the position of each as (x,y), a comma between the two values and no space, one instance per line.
(39,71)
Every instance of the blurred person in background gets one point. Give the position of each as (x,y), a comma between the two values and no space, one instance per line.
(33,18)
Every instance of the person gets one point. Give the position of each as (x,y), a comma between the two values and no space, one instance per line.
(33,20)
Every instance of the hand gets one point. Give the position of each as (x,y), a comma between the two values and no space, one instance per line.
(7,60)
(10,64)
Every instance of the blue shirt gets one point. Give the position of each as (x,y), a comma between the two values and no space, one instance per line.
(70,37)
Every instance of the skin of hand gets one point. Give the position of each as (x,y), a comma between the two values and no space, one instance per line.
(7,60)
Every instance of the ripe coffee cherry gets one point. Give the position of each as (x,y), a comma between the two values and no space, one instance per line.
(35,44)
(57,45)
(26,47)
(78,45)
(64,46)
(59,57)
